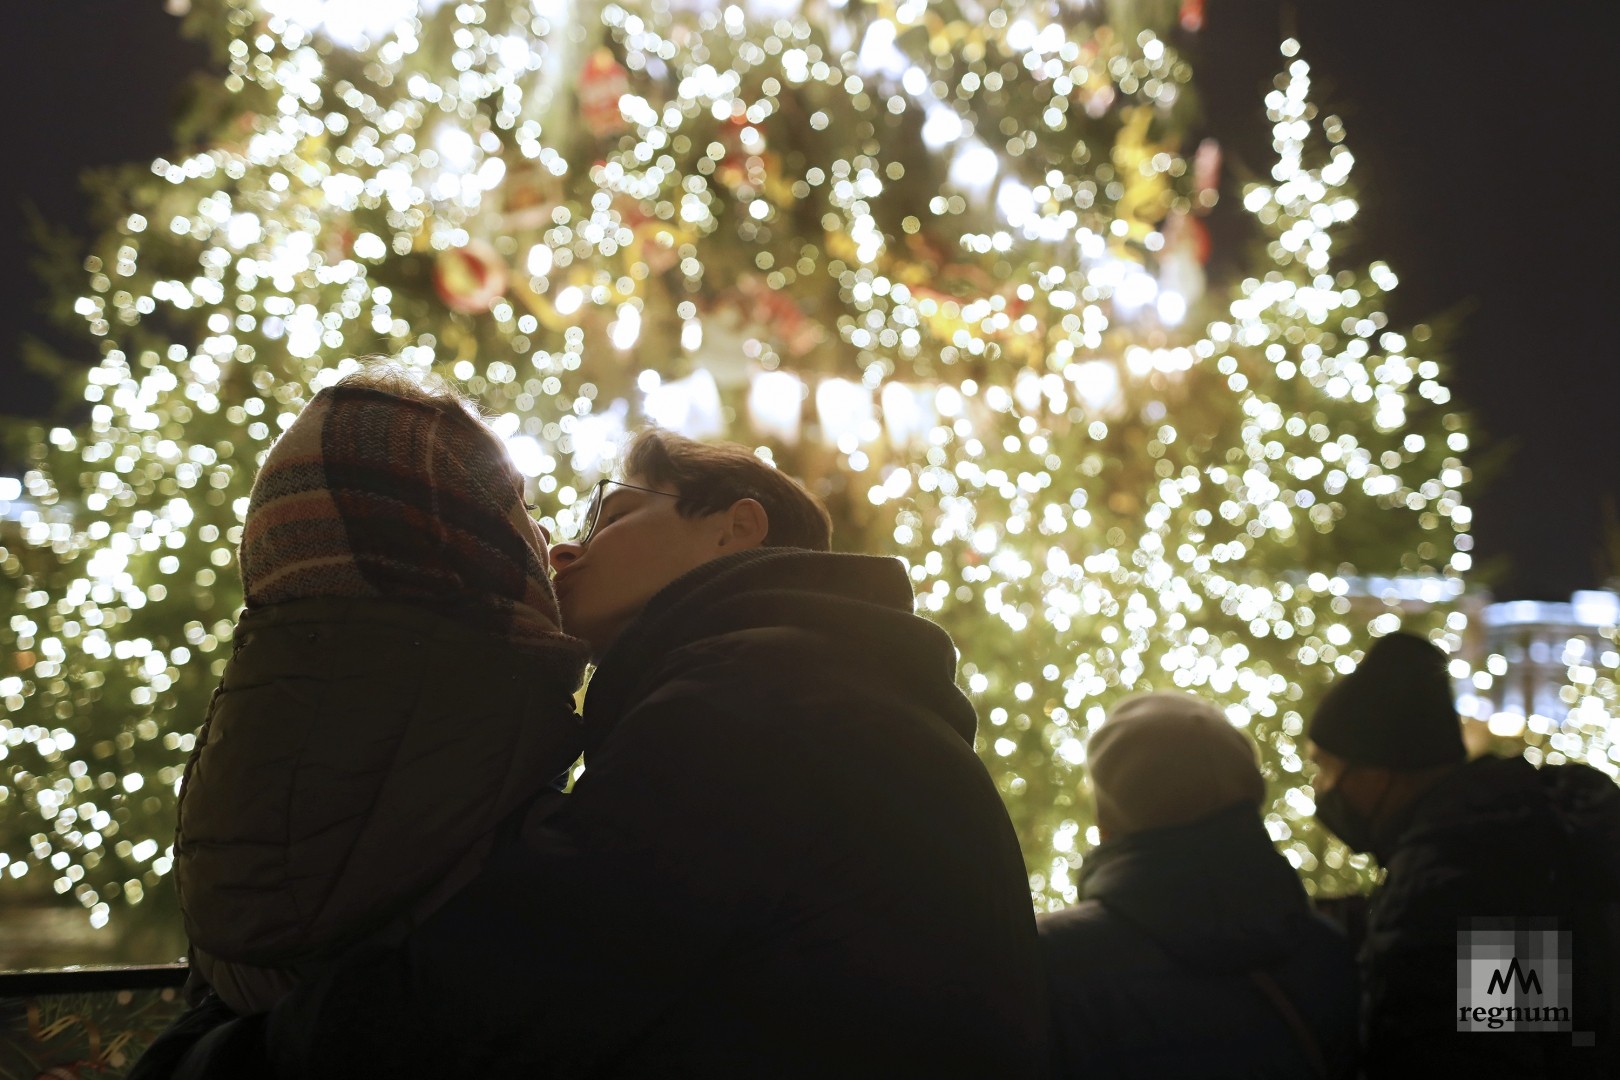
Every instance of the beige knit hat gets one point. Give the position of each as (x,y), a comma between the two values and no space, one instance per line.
(1166,759)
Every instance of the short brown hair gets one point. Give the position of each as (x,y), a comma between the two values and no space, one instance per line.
(710,477)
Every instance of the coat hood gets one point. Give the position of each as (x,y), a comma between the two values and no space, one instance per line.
(1215,895)
(1504,795)
(1502,791)
(372,494)
(857,608)
(354,755)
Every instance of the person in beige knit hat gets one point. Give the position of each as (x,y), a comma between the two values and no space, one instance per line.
(1169,759)
(1193,950)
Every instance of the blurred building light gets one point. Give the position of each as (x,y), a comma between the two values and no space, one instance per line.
(845,410)
(776,405)
(689,406)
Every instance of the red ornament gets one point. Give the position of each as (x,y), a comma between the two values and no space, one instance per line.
(1187,235)
(338,242)
(1207,166)
(531,192)
(1192,15)
(470,279)
(775,310)
(1186,252)
(602,82)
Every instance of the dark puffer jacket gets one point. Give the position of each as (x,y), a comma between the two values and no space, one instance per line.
(1495,838)
(1150,973)
(351,774)
(783,859)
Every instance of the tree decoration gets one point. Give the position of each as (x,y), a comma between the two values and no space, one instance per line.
(602,83)
(950,232)
(471,278)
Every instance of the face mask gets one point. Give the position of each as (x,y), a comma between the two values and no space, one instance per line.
(1334,811)
(1356,831)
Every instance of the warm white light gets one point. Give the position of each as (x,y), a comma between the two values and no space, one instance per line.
(844,409)
(942,125)
(242,230)
(973,169)
(908,412)
(1016,203)
(370,246)
(1018,301)
(879,55)
(350,23)
(491,173)
(771,10)
(514,52)
(1172,307)
(689,406)
(597,437)
(1506,725)
(457,150)
(569,300)
(306,14)
(1097,383)
(528,455)
(775,405)
(626,328)
(1021,35)
(1027,390)
(1134,290)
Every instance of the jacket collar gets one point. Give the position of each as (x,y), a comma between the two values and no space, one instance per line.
(861,605)
(1214,894)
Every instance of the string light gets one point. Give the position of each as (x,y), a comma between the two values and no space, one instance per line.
(940,267)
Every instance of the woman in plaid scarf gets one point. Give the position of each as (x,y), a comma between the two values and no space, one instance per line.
(399,689)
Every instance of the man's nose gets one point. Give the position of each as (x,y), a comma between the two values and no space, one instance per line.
(563,554)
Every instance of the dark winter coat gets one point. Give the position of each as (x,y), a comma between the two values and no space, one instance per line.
(1149,974)
(351,773)
(1497,837)
(783,859)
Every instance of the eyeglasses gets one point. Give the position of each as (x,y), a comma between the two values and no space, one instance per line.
(599,494)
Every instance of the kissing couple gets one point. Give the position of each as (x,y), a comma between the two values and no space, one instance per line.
(780,858)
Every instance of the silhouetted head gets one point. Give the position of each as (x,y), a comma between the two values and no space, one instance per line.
(1166,759)
(679,504)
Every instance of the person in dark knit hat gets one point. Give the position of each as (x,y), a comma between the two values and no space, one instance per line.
(1394,710)
(1193,951)
(1459,839)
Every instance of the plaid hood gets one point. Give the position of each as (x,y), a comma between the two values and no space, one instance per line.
(370,495)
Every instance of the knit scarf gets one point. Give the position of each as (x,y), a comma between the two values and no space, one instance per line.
(370,494)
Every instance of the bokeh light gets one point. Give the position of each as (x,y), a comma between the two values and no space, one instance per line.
(946,262)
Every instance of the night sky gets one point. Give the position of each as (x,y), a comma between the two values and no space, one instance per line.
(1485,137)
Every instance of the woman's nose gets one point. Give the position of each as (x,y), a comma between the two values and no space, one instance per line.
(563,554)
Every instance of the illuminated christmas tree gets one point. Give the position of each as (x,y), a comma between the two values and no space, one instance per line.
(944,260)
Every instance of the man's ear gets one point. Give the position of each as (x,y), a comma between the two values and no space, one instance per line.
(746,525)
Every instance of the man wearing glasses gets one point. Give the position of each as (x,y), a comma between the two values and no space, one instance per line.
(782,859)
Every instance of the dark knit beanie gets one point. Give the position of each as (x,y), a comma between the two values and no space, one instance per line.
(1395,710)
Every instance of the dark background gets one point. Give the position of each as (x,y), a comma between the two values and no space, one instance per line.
(1485,136)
